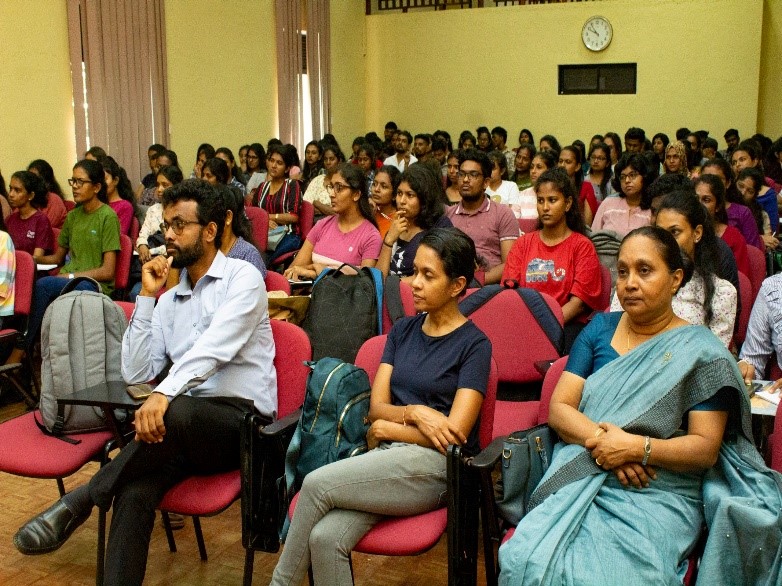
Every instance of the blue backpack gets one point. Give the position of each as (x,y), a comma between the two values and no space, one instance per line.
(333,423)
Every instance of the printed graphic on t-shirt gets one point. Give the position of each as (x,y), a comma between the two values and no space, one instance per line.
(31,234)
(539,269)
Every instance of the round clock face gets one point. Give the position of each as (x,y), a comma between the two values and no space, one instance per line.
(597,33)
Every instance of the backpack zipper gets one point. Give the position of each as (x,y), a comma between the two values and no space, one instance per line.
(345,409)
(322,391)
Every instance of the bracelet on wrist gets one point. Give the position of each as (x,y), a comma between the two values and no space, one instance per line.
(387,244)
(647,450)
(404,413)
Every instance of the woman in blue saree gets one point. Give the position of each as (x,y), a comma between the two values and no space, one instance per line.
(656,440)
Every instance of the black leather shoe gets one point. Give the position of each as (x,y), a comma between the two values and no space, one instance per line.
(49,530)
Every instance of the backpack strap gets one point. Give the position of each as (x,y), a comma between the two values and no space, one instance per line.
(534,301)
(392,297)
(57,429)
(75,282)
(377,279)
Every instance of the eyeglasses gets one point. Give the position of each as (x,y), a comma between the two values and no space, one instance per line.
(597,159)
(178,226)
(629,176)
(78,183)
(336,187)
(472,175)
(253,157)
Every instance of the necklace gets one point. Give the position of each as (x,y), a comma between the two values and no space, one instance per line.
(629,329)
(389,218)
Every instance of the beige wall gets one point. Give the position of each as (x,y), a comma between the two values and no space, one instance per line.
(770,113)
(510,78)
(221,74)
(36,102)
(348,89)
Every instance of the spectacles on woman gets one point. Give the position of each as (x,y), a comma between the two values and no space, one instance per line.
(77,182)
(336,187)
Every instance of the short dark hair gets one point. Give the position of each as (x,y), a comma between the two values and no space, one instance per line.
(219,169)
(635,133)
(438,144)
(157,148)
(711,143)
(456,251)
(731,132)
(717,188)
(289,157)
(425,137)
(406,134)
(391,125)
(500,131)
(639,164)
(682,133)
(552,141)
(668,183)
(172,173)
(206,149)
(210,204)
(479,157)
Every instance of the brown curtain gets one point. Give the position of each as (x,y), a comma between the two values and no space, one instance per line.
(122,47)
(287,16)
(319,65)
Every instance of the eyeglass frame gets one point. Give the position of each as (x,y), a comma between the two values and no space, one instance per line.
(177,226)
(336,187)
(78,183)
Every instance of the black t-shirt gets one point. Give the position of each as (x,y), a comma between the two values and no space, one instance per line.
(404,252)
(429,370)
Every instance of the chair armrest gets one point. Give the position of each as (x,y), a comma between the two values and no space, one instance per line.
(281,425)
(489,455)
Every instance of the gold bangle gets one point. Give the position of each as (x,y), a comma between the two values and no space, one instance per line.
(599,431)
(404,412)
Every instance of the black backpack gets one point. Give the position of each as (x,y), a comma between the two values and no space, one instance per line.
(345,311)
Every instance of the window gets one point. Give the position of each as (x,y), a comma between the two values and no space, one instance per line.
(614,78)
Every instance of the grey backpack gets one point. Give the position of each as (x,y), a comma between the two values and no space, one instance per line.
(81,346)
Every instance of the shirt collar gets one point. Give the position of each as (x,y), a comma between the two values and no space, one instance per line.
(216,271)
(484,208)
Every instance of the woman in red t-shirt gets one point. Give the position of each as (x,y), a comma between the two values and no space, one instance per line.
(558,259)
(29,227)
(711,192)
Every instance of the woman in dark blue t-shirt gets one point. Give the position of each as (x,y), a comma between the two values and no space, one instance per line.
(427,394)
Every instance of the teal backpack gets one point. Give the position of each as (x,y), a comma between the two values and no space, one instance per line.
(333,423)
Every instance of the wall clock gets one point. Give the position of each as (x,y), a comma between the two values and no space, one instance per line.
(597,33)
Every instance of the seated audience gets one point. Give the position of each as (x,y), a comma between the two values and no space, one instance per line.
(753,190)
(466,140)
(414,420)
(90,240)
(167,176)
(119,193)
(764,335)
(676,159)
(365,159)
(527,205)
(313,164)
(316,192)
(615,146)
(499,189)
(149,179)
(420,207)
(739,215)
(521,165)
(491,226)
(660,143)
(550,143)
(570,160)
(256,167)
(149,195)
(640,456)
(600,173)
(558,259)
(711,192)
(281,198)
(632,208)
(227,155)
(382,195)
(237,241)
(349,236)
(402,157)
(452,192)
(705,299)
(54,209)
(205,152)
(28,227)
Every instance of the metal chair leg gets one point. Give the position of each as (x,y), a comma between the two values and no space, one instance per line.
(199,538)
(249,560)
(101,549)
(169,532)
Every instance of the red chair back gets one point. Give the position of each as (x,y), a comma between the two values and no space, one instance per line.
(605,293)
(371,352)
(122,268)
(528,224)
(776,444)
(306,219)
(408,305)
(276,282)
(259,219)
(69,204)
(757,268)
(516,338)
(745,291)
(127,307)
(135,228)
(24,283)
(292,348)
(549,384)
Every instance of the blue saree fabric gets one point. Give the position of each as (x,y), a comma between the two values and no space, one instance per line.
(584,528)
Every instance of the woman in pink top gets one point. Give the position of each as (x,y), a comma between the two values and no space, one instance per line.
(350,236)
(632,209)
(120,193)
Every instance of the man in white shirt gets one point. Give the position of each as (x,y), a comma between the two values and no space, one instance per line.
(213,328)
(403,158)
